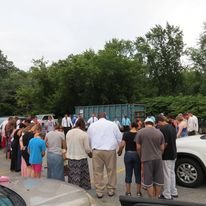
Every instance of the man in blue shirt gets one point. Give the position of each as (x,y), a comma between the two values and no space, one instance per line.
(126,123)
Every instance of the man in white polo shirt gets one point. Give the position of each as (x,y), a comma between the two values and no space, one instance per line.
(192,124)
(104,137)
(92,119)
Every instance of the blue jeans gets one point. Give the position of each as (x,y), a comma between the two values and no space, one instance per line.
(132,163)
(55,164)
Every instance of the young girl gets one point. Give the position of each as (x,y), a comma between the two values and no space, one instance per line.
(36,150)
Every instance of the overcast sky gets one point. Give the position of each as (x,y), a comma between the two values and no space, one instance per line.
(30,29)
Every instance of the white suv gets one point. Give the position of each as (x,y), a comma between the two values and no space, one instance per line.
(191,160)
(44,118)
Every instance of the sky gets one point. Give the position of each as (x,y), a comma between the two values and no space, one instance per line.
(54,29)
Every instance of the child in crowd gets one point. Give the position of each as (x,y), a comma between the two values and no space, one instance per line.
(36,150)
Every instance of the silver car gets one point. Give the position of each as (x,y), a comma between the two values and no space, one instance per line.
(44,192)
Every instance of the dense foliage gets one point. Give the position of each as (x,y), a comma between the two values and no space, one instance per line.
(148,69)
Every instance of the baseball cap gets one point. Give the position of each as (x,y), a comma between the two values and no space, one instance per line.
(150,119)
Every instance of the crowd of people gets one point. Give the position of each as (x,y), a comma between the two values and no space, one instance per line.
(150,150)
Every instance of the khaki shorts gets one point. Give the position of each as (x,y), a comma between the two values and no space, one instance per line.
(152,173)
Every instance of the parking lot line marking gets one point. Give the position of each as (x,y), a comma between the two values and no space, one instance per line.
(3,172)
(120,170)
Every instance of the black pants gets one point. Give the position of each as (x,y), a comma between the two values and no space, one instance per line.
(66,129)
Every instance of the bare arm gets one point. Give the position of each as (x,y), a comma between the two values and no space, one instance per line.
(121,147)
(21,144)
(138,146)
(88,150)
(86,144)
(162,147)
(180,130)
(64,148)
(46,141)
(43,153)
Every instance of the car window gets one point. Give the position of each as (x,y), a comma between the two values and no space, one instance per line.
(10,198)
(45,118)
(5,201)
(39,116)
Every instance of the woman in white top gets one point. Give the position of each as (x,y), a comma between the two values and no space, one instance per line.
(77,151)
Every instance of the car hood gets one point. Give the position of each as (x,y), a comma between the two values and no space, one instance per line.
(193,145)
(47,192)
(192,139)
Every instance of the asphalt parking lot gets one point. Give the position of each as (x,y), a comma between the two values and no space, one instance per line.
(196,195)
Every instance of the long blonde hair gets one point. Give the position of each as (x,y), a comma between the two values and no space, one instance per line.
(36,128)
(28,128)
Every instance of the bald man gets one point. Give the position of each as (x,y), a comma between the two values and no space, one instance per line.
(104,137)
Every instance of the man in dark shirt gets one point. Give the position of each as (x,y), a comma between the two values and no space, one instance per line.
(168,158)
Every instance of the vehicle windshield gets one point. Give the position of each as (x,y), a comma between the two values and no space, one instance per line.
(10,198)
(2,119)
(44,116)
(4,200)
(39,116)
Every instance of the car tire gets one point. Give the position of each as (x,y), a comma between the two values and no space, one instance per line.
(188,172)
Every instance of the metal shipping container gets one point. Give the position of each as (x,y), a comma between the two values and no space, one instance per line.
(133,111)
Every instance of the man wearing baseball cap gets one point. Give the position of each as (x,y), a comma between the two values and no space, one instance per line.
(150,145)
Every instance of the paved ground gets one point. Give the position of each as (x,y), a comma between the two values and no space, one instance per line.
(197,195)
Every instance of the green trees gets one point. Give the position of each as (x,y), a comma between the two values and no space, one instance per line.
(109,76)
(120,74)
(177,104)
(8,85)
(161,50)
(32,96)
(198,55)
(147,70)
(74,80)
(198,58)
